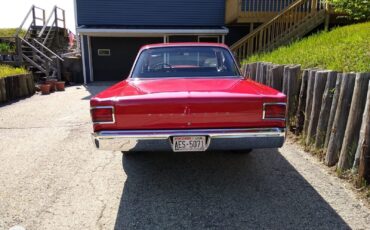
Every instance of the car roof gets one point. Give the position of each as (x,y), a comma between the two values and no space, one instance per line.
(179,44)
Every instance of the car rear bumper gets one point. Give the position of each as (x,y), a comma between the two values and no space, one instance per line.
(217,139)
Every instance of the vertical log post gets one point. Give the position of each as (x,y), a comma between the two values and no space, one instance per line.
(351,136)
(243,70)
(285,80)
(293,86)
(319,87)
(302,103)
(23,86)
(310,88)
(364,126)
(265,68)
(327,101)
(363,149)
(2,90)
(276,73)
(250,71)
(259,72)
(340,120)
(333,108)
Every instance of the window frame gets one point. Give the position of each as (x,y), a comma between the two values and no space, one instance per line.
(235,63)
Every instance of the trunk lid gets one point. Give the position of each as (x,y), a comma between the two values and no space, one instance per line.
(190,103)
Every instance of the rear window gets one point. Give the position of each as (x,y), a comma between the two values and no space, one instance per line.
(185,62)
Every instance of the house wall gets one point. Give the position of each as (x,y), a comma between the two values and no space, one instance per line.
(150,12)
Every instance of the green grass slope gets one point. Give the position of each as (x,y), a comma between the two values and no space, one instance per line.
(6,71)
(9,32)
(343,49)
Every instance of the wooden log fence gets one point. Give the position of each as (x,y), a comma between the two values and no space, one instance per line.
(351,135)
(330,110)
(302,102)
(340,119)
(318,91)
(362,158)
(309,97)
(327,100)
(333,108)
(14,87)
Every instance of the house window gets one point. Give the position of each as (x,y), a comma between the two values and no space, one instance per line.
(104,52)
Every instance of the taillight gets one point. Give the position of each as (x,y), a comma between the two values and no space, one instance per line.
(272,111)
(103,114)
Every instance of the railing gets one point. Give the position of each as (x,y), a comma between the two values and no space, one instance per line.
(35,13)
(55,23)
(261,10)
(254,11)
(43,47)
(41,57)
(291,22)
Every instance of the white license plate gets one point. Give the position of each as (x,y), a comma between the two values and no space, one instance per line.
(189,144)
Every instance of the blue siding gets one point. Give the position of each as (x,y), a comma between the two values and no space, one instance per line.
(151,12)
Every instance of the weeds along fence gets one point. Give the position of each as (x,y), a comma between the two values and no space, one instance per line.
(330,111)
(14,87)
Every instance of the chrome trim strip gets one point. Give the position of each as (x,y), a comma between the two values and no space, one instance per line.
(125,140)
(103,107)
(213,133)
(272,103)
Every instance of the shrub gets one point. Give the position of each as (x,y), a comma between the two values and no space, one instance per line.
(5,48)
(356,9)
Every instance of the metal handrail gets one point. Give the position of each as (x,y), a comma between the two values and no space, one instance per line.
(55,14)
(49,50)
(31,10)
(36,50)
(286,12)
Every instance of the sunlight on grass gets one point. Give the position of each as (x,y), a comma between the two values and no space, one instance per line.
(6,70)
(9,32)
(342,49)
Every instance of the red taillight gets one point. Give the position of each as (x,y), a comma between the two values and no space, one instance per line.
(274,111)
(104,114)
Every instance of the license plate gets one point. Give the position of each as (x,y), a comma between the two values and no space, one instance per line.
(189,144)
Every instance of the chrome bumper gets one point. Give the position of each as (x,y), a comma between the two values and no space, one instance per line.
(217,139)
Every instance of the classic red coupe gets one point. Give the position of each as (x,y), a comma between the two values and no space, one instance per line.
(187,97)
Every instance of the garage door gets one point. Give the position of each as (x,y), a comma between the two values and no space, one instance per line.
(112,58)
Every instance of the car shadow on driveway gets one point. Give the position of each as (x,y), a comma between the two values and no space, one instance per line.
(219,191)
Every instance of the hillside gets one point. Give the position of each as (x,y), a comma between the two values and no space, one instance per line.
(9,32)
(343,49)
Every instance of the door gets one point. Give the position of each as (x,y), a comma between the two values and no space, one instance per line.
(113,57)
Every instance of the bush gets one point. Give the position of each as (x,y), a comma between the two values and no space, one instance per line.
(6,48)
(356,9)
(343,49)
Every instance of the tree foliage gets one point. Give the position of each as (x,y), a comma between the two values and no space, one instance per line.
(356,9)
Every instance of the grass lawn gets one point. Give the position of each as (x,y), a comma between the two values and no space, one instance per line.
(6,70)
(9,32)
(343,49)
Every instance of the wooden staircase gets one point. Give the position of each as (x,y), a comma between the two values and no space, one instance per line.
(35,47)
(295,21)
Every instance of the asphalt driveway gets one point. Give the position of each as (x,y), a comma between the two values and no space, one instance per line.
(51,177)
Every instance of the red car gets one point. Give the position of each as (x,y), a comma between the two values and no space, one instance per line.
(187,97)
